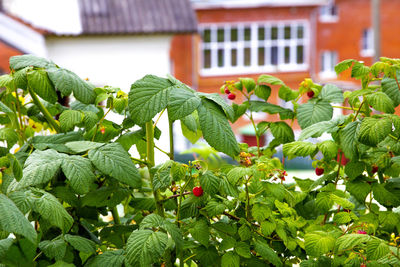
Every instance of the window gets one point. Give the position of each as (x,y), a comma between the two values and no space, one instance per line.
(367,43)
(328,61)
(329,12)
(253,48)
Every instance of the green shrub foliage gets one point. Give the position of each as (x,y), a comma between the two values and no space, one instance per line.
(73,195)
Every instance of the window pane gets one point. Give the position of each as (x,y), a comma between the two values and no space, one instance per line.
(274,33)
(220,35)
(261,56)
(234,57)
(220,57)
(261,33)
(300,54)
(247,34)
(234,35)
(274,55)
(207,36)
(207,58)
(287,32)
(300,32)
(287,54)
(247,56)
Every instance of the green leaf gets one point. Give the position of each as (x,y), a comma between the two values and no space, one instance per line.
(244,232)
(206,256)
(344,65)
(381,102)
(20,62)
(248,83)
(79,172)
(113,160)
(267,253)
(162,179)
(287,94)
(200,232)
(319,243)
(80,243)
(342,218)
(376,249)
(359,70)
(51,210)
(228,110)
(209,182)
(391,89)
(182,102)
(9,135)
(348,139)
(61,264)
(239,110)
(328,148)
(373,130)
(66,81)
(39,82)
(332,94)
(149,96)
(354,169)
(243,250)
(5,244)
(284,113)
(261,212)
(282,131)
(82,146)
(40,167)
(384,196)
(15,166)
(263,91)
(69,119)
(267,227)
(53,248)
(299,149)
(358,189)
(6,80)
(311,113)
(22,200)
(324,201)
(114,258)
(350,241)
(216,129)
(13,221)
(230,259)
(318,129)
(269,80)
(145,247)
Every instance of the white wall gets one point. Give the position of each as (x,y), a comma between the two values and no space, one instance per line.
(117,61)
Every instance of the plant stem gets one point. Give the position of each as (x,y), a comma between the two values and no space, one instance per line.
(255,132)
(247,200)
(159,116)
(151,163)
(117,221)
(358,111)
(45,112)
(171,139)
(349,108)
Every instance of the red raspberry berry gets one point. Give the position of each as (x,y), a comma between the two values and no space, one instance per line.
(374,169)
(319,171)
(102,130)
(310,94)
(361,232)
(231,96)
(227,91)
(197,191)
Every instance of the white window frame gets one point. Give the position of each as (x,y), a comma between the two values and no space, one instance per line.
(367,43)
(328,61)
(254,44)
(325,13)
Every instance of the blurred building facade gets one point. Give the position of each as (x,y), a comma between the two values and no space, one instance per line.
(290,39)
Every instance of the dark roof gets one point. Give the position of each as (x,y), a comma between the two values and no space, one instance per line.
(137,16)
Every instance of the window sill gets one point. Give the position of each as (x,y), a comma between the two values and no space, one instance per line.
(328,19)
(327,75)
(367,53)
(253,70)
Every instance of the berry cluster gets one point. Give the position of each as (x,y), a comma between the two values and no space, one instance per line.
(245,159)
(227,88)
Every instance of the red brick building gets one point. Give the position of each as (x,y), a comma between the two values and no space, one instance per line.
(290,39)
